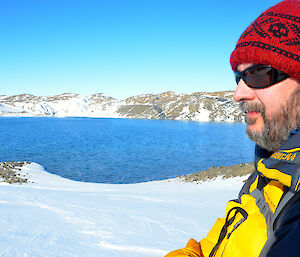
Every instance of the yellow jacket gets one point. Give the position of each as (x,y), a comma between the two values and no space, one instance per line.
(249,220)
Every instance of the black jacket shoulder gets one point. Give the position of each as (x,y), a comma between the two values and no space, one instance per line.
(285,239)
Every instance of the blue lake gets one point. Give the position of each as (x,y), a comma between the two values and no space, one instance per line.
(122,150)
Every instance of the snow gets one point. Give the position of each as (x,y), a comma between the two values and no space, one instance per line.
(4,108)
(202,115)
(53,216)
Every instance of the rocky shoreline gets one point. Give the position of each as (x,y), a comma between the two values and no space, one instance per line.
(238,170)
(10,172)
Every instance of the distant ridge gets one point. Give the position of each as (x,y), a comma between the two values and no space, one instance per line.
(200,106)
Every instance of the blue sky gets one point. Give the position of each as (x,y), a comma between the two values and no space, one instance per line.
(120,47)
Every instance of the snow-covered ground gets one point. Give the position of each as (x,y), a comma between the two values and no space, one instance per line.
(58,217)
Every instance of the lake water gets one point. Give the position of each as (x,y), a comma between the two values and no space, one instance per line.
(122,150)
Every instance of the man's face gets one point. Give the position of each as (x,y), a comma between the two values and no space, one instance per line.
(271,113)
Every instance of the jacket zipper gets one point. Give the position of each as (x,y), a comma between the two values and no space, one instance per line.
(230,233)
(228,222)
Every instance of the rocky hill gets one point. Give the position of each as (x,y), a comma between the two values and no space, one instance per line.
(202,106)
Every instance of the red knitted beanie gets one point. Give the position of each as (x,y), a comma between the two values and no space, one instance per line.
(272,39)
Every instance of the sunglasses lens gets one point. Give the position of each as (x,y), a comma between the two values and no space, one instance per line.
(259,77)
(237,78)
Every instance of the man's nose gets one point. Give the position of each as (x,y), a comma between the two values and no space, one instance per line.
(243,92)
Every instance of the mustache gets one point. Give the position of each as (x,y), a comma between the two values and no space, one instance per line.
(252,107)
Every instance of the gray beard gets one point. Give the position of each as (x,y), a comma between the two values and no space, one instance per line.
(277,128)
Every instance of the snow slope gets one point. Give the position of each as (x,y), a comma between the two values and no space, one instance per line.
(58,217)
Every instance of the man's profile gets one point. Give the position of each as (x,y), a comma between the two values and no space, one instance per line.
(265,219)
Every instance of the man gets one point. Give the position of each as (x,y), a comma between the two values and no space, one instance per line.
(265,220)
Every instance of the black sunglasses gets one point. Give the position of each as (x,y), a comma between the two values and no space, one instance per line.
(260,76)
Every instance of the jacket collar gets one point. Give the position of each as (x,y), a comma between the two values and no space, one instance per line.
(293,142)
(283,165)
